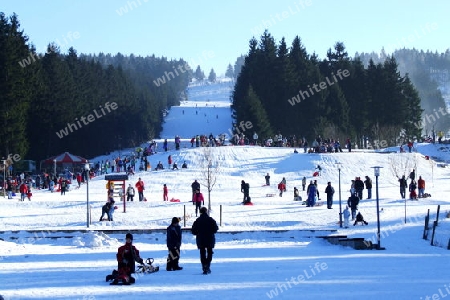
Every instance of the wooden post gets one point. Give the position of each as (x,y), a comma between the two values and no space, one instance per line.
(220,214)
(432,235)
(437,215)
(184,215)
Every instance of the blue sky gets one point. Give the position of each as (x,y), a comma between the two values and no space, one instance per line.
(213,33)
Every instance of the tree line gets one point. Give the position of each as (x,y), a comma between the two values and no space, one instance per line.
(286,90)
(88,105)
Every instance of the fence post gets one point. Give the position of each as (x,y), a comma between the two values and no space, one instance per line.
(220,214)
(425,229)
(432,235)
(437,216)
(184,215)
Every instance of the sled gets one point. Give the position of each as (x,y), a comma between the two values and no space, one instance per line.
(248,203)
(174,200)
(270,195)
(147,267)
(315,174)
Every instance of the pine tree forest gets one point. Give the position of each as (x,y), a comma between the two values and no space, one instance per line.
(284,89)
(88,105)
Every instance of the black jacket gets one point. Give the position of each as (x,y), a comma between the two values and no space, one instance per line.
(204,228)
(174,236)
(353,202)
(368,183)
(359,185)
(195,186)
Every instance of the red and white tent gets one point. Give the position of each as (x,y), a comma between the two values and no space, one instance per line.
(65,158)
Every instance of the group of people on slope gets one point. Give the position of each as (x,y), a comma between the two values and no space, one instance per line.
(204,228)
(413,185)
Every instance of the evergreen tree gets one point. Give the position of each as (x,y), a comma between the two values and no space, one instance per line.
(199,75)
(212,76)
(230,72)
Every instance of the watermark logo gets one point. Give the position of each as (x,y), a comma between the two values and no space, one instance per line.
(302,95)
(182,68)
(279,17)
(86,120)
(307,274)
(431,118)
(442,294)
(129,6)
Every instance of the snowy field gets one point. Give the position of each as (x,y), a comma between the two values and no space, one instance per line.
(266,251)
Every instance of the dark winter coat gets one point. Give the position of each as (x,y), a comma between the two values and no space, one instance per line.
(174,236)
(359,185)
(329,191)
(195,186)
(353,202)
(368,183)
(204,228)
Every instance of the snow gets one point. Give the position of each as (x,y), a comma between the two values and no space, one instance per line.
(271,250)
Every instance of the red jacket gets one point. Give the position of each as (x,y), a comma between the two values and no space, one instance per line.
(198,197)
(23,188)
(421,184)
(165,190)
(281,186)
(127,255)
(140,186)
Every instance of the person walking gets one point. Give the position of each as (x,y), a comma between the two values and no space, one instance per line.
(198,201)
(329,190)
(23,189)
(174,237)
(140,188)
(304,183)
(205,228)
(130,192)
(165,193)
(368,184)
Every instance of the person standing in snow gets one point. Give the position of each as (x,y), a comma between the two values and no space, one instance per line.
(140,187)
(267,177)
(198,201)
(304,183)
(311,191)
(353,202)
(329,190)
(174,237)
(165,193)
(346,213)
(281,188)
(130,192)
(368,183)
(421,187)
(245,188)
(403,185)
(195,186)
(205,228)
